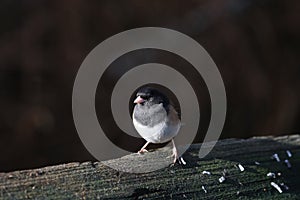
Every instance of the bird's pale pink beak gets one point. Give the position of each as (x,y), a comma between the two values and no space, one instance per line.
(139,100)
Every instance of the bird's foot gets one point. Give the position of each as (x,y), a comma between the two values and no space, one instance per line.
(142,151)
(175,155)
(175,159)
(180,160)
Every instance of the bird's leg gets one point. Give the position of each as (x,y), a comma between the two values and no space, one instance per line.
(143,149)
(175,153)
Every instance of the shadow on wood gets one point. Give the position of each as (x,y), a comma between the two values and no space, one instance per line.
(97,181)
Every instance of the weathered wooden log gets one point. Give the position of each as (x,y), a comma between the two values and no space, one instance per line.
(257,176)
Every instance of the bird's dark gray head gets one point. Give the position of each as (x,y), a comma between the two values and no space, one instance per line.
(151,96)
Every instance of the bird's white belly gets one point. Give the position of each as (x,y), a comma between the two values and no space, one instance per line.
(159,133)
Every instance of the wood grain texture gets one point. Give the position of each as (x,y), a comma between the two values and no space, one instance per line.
(97,181)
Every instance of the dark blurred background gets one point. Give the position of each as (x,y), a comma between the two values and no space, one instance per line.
(255,44)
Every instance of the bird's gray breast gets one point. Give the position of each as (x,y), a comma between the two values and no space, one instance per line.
(149,115)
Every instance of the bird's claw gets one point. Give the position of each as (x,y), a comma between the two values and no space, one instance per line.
(180,160)
(175,154)
(142,151)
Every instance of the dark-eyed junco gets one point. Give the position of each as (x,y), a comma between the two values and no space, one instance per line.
(155,119)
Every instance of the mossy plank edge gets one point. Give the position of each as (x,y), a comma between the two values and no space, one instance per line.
(97,181)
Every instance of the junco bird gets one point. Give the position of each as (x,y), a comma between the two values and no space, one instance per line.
(155,119)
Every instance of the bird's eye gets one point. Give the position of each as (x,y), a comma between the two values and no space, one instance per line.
(144,97)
